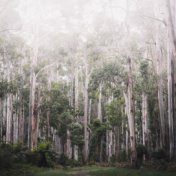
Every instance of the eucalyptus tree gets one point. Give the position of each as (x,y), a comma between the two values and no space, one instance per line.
(171,49)
(110,76)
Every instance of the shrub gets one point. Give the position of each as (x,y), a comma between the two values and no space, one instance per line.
(73,163)
(6,156)
(113,159)
(141,150)
(19,151)
(32,157)
(159,154)
(63,160)
(122,157)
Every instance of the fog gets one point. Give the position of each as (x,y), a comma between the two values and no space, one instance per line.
(50,17)
(45,19)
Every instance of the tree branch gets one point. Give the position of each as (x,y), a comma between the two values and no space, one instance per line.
(44,68)
(4,30)
(155,19)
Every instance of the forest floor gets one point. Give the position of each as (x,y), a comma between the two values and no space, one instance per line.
(105,171)
(85,171)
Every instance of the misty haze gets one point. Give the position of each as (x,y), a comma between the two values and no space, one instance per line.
(87,87)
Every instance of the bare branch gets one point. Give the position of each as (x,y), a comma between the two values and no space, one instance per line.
(44,68)
(155,19)
(5,30)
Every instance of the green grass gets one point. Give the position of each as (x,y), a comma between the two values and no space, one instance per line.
(104,171)
(52,173)
(129,172)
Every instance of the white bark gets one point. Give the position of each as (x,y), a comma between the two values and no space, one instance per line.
(144,119)
(171,58)
(99,103)
(159,70)
(69,149)
(9,118)
(86,135)
(75,147)
(131,115)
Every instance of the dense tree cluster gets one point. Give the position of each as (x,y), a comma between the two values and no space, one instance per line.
(102,94)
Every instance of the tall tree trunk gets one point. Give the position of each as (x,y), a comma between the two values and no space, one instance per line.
(32,100)
(99,103)
(90,110)
(75,147)
(9,108)
(69,149)
(131,114)
(99,110)
(127,141)
(9,118)
(127,127)
(86,135)
(144,119)
(159,70)
(171,58)
(15,123)
(31,123)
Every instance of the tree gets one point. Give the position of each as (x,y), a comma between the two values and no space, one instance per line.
(171,49)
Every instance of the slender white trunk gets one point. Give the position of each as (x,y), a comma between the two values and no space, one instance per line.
(90,109)
(75,147)
(9,118)
(109,144)
(144,119)
(171,58)
(69,149)
(86,135)
(126,132)
(159,70)
(99,103)
(9,108)
(131,115)
(126,141)
(15,124)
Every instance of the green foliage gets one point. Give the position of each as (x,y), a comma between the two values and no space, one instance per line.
(76,130)
(98,130)
(20,151)
(159,154)
(56,103)
(64,123)
(63,160)
(114,112)
(122,156)
(12,154)
(42,156)
(98,127)
(7,87)
(108,73)
(43,145)
(6,156)
(141,150)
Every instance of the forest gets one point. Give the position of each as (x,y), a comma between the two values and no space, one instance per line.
(87,84)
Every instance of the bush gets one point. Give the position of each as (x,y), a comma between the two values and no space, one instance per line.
(19,151)
(42,156)
(63,160)
(6,156)
(19,154)
(113,159)
(141,150)
(73,163)
(122,157)
(159,154)
(32,157)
